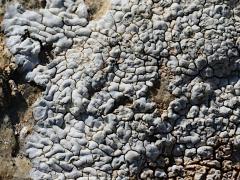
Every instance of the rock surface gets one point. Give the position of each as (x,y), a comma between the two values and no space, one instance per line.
(100,114)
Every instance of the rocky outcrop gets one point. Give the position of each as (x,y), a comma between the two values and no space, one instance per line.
(97,116)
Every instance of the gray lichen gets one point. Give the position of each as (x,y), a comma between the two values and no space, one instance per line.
(96,119)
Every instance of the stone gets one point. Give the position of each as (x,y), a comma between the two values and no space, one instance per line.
(100,69)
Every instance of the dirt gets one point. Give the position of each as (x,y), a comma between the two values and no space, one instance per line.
(15,124)
(13,164)
(161,95)
(4,55)
(97,8)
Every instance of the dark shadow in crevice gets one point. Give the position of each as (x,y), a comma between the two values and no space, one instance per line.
(122,101)
(43,3)
(18,77)
(15,102)
(45,55)
(46,51)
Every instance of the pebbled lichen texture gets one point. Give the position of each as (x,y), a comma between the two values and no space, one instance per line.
(97,117)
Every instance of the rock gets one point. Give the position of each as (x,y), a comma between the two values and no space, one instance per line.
(100,65)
